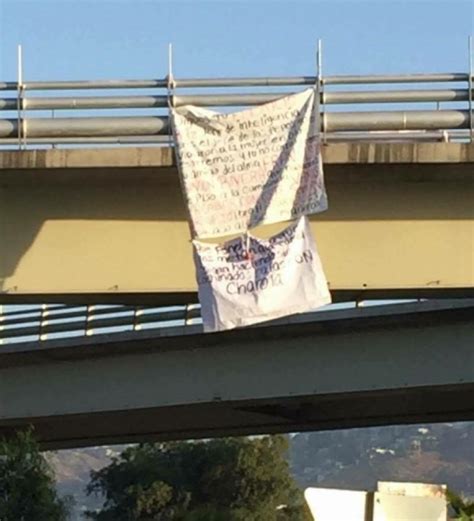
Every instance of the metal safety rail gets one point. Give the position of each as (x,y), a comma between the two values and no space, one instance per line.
(45,322)
(36,324)
(441,111)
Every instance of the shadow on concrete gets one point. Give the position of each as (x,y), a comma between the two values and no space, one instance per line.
(28,199)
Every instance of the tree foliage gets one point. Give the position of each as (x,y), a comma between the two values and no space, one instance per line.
(27,490)
(232,479)
(463,508)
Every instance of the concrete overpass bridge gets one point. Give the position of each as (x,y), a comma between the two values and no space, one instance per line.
(97,224)
(353,367)
(93,226)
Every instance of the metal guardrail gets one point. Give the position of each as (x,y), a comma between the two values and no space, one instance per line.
(39,323)
(44,322)
(151,124)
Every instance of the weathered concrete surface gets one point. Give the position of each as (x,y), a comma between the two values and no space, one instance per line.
(153,157)
(110,224)
(131,157)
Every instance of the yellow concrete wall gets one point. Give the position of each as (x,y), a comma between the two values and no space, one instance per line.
(124,230)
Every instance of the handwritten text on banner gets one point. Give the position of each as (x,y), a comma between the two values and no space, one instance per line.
(250,280)
(261,165)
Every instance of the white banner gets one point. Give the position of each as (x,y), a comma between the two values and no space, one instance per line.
(251,280)
(252,167)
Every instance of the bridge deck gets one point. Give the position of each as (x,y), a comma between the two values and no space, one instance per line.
(405,363)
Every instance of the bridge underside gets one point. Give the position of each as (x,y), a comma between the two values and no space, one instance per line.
(408,363)
(283,415)
(109,225)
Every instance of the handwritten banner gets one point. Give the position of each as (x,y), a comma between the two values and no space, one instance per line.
(252,167)
(250,280)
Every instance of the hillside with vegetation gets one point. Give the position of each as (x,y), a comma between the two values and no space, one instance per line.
(358,458)
(352,458)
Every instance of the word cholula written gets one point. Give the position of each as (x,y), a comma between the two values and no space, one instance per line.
(253,167)
(249,280)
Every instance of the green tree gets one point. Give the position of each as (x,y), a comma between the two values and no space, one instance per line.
(231,479)
(462,508)
(27,489)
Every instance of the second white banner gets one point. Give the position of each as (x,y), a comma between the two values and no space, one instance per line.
(249,280)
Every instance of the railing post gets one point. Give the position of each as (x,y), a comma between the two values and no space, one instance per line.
(43,322)
(1,327)
(320,90)
(136,314)
(188,319)
(470,89)
(20,96)
(53,146)
(88,331)
(170,84)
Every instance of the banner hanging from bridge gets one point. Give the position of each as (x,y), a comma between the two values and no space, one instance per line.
(249,280)
(256,166)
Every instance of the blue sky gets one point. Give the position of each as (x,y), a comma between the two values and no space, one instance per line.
(79,39)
